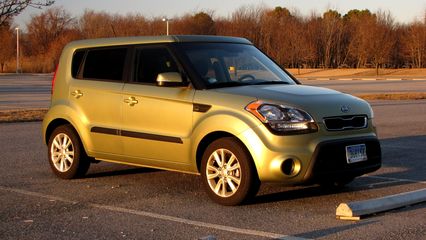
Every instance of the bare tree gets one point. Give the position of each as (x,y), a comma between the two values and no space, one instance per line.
(11,8)
(276,29)
(283,38)
(359,25)
(414,46)
(384,40)
(96,24)
(130,25)
(200,23)
(44,28)
(331,35)
(48,32)
(244,22)
(7,45)
(358,39)
(312,28)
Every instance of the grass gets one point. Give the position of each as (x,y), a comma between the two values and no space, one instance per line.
(359,73)
(22,115)
(393,96)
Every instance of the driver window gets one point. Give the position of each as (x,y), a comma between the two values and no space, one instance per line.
(150,62)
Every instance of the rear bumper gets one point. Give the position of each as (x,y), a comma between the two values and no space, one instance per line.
(329,160)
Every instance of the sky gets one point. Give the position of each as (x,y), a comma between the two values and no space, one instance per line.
(404,11)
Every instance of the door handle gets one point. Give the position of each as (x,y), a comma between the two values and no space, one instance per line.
(77,94)
(131,101)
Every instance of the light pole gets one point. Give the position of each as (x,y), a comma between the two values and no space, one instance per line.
(167,20)
(17,50)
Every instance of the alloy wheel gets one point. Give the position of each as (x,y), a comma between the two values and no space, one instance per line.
(62,152)
(223,173)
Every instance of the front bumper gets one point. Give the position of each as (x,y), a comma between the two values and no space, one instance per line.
(317,157)
(329,160)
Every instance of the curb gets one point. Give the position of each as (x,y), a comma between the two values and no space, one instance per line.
(356,210)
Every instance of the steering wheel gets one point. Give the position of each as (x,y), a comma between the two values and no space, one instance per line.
(246,77)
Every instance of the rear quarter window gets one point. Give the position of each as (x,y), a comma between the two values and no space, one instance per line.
(105,64)
(76,62)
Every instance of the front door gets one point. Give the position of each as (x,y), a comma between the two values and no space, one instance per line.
(157,121)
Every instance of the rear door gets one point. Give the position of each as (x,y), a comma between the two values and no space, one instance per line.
(96,93)
(157,121)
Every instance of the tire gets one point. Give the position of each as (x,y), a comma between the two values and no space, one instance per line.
(67,157)
(235,183)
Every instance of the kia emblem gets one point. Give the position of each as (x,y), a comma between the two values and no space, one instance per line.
(345,108)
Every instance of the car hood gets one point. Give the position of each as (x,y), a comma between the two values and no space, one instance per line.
(317,101)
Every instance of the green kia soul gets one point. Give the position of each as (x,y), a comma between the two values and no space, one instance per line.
(209,105)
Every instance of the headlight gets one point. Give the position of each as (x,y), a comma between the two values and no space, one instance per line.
(282,119)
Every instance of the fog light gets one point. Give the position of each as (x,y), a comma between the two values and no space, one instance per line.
(290,167)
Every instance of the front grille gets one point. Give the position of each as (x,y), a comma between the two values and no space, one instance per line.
(341,123)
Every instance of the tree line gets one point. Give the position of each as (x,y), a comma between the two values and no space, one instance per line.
(357,39)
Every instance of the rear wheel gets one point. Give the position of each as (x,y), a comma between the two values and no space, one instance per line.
(228,172)
(67,157)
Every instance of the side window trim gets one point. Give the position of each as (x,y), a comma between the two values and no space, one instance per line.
(81,67)
(128,64)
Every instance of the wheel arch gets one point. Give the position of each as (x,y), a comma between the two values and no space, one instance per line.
(53,125)
(247,186)
(60,114)
(211,137)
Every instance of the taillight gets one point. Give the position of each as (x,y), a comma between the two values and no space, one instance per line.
(54,79)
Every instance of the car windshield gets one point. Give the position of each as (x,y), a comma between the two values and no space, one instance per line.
(230,64)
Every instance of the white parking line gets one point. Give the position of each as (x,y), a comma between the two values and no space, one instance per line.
(36,194)
(159,216)
(379,183)
(395,179)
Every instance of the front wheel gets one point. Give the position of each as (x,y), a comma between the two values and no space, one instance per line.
(228,172)
(67,157)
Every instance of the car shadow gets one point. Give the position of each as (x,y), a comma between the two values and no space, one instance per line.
(394,153)
(406,154)
(127,171)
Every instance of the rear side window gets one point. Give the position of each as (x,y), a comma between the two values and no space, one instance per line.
(106,63)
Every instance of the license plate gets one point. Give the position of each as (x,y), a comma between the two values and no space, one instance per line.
(356,153)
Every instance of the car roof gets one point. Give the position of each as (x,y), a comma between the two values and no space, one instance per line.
(105,42)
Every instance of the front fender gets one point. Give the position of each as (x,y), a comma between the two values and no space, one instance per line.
(230,122)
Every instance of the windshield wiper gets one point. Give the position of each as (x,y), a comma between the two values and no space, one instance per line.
(226,84)
(269,82)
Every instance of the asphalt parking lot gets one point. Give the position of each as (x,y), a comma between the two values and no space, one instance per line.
(123,202)
(23,91)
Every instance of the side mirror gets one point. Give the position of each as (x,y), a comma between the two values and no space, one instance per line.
(170,79)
